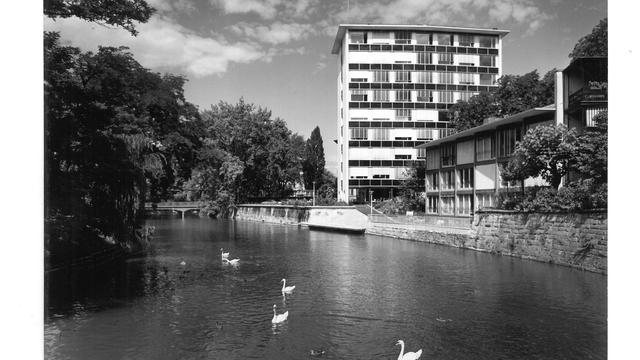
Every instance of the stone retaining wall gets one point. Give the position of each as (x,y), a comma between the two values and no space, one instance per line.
(572,239)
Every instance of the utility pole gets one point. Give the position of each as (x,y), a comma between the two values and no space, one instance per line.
(371,200)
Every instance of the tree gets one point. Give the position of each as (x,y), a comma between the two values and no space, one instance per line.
(590,152)
(313,163)
(514,94)
(594,44)
(545,151)
(123,13)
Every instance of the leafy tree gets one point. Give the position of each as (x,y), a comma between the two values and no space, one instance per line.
(123,13)
(545,151)
(313,164)
(514,94)
(104,143)
(594,44)
(590,152)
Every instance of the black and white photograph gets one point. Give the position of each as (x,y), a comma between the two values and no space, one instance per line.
(331,179)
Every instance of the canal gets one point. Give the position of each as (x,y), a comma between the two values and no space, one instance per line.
(355,297)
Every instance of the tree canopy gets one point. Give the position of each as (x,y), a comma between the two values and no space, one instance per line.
(593,44)
(514,94)
(123,13)
(313,163)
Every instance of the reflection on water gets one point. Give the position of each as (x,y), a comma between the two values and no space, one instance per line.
(355,296)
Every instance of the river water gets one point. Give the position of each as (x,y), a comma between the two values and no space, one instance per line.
(355,297)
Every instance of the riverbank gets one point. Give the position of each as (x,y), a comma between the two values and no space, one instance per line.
(576,240)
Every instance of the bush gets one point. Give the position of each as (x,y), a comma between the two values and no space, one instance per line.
(580,195)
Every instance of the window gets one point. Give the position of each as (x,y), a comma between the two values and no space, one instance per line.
(447,205)
(446,97)
(465,40)
(444,39)
(358,37)
(380,134)
(425,134)
(358,79)
(507,141)
(432,181)
(465,178)
(403,114)
(341,149)
(403,37)
(432,204)
(422,76)
(444,133)
(433,159)
(487,60)
(403,95)
(403,76)
(422,153)
(380,76)
(358,95)
(466,60)
(466,79)
(443,116)
(445,58)
(484,201)
(448,154)
(484,148)
(422,38)
(381,176)
(380,95)
(445,78)
(341,130)
(403,157)
(465,95)
(487,41)
(379,37)
(487,79)
(465,204)
(425,95)
(448,180)
(358,133)
(424,58)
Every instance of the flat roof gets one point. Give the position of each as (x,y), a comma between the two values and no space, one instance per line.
(490,126)
(342,28)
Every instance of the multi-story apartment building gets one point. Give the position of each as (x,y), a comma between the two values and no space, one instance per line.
(394,87)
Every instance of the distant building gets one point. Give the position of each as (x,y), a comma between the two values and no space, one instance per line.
(463,169)
(394,87)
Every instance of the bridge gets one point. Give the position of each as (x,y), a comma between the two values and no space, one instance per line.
(177,206)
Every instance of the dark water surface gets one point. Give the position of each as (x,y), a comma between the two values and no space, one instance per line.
(355,297)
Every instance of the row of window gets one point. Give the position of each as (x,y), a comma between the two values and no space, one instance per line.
(427,38)
(429,96)
(447,180)
(428,77)
(454,59)
(384,134)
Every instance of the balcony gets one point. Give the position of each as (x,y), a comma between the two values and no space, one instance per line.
(596,92)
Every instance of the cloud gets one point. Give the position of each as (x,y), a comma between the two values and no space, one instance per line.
(276,33)
(162,44)
(264,8)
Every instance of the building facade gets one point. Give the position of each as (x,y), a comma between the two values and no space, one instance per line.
(463,170)
(394,86)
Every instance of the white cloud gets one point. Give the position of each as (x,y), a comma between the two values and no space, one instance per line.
(264,8)
(161,45)
(276,33)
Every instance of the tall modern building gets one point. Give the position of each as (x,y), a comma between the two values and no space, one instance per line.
(394,86)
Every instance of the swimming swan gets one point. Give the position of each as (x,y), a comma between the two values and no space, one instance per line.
(278,318)
(409,355)
(285,288)
(224,254)
(232,262)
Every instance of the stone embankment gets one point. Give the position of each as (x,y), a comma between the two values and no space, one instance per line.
(572,239)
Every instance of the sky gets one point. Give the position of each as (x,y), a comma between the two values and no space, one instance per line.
(277,53)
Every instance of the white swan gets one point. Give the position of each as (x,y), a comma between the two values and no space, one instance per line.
(232,262)
(224,254)
(183,263)
(286,289)
(409,355)
(278,318)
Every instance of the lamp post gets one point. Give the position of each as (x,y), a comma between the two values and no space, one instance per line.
(314,193)
(371,200)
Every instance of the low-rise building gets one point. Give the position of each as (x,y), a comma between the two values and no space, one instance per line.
(463,169)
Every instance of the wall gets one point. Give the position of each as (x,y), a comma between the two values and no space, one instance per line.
(332,217)
(572,239)
(576,239)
